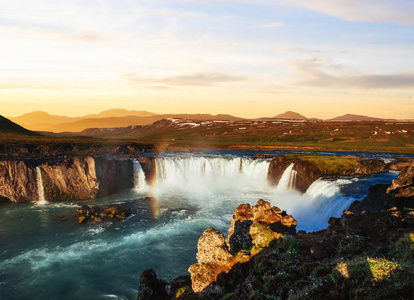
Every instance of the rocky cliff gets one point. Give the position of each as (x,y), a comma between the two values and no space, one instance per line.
(70,179)
(17,182)
(310,168)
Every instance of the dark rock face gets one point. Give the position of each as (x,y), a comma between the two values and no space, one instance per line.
(149,167)
(241,238)
(375,200)
(277,166)
(114,175)
(150,287)
(310,168)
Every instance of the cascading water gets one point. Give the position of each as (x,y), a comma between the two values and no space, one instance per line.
(139,177)
(40,189)
(202,174)
(288,179)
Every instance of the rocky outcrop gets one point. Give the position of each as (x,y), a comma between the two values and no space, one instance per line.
(69,179)
(399,194)
(254,226)
(251,229)
(99,214)
(17,182)
(213,258)
(149,167)
(400,163)
(151,288)
(356,257)
(373,202)
(310,168)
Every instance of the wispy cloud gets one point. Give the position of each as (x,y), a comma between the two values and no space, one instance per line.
(396,11)
(196,79)
(324,74)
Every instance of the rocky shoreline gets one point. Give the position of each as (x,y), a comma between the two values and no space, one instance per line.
(368,253)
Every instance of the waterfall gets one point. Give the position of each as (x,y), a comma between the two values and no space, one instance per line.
(139,177)
(40,188)
(204,173)
(326,196)
(288,179)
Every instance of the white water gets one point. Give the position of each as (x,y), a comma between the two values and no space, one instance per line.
(40,189)
(139,177)
(288,179)
(215,185)
(203,175)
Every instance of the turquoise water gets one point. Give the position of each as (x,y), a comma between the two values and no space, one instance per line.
(43,257)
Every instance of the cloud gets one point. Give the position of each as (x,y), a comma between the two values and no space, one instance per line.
(40,33)
(388,11)
(273,25)
(195,79)
(323,73)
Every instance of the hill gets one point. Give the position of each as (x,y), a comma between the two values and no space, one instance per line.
(351,117)
(9,128)
(268,133)
(118,112)
(41,121)
(290,115)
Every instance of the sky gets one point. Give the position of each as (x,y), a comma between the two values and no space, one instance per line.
(249,58)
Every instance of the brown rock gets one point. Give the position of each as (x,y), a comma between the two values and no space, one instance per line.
(213,258)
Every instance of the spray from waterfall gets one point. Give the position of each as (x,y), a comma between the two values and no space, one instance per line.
(40,189)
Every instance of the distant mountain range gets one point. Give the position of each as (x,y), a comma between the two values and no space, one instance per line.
(114,118)
(349,117)
(9,128)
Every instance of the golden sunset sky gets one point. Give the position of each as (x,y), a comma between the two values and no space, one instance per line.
(250,58)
